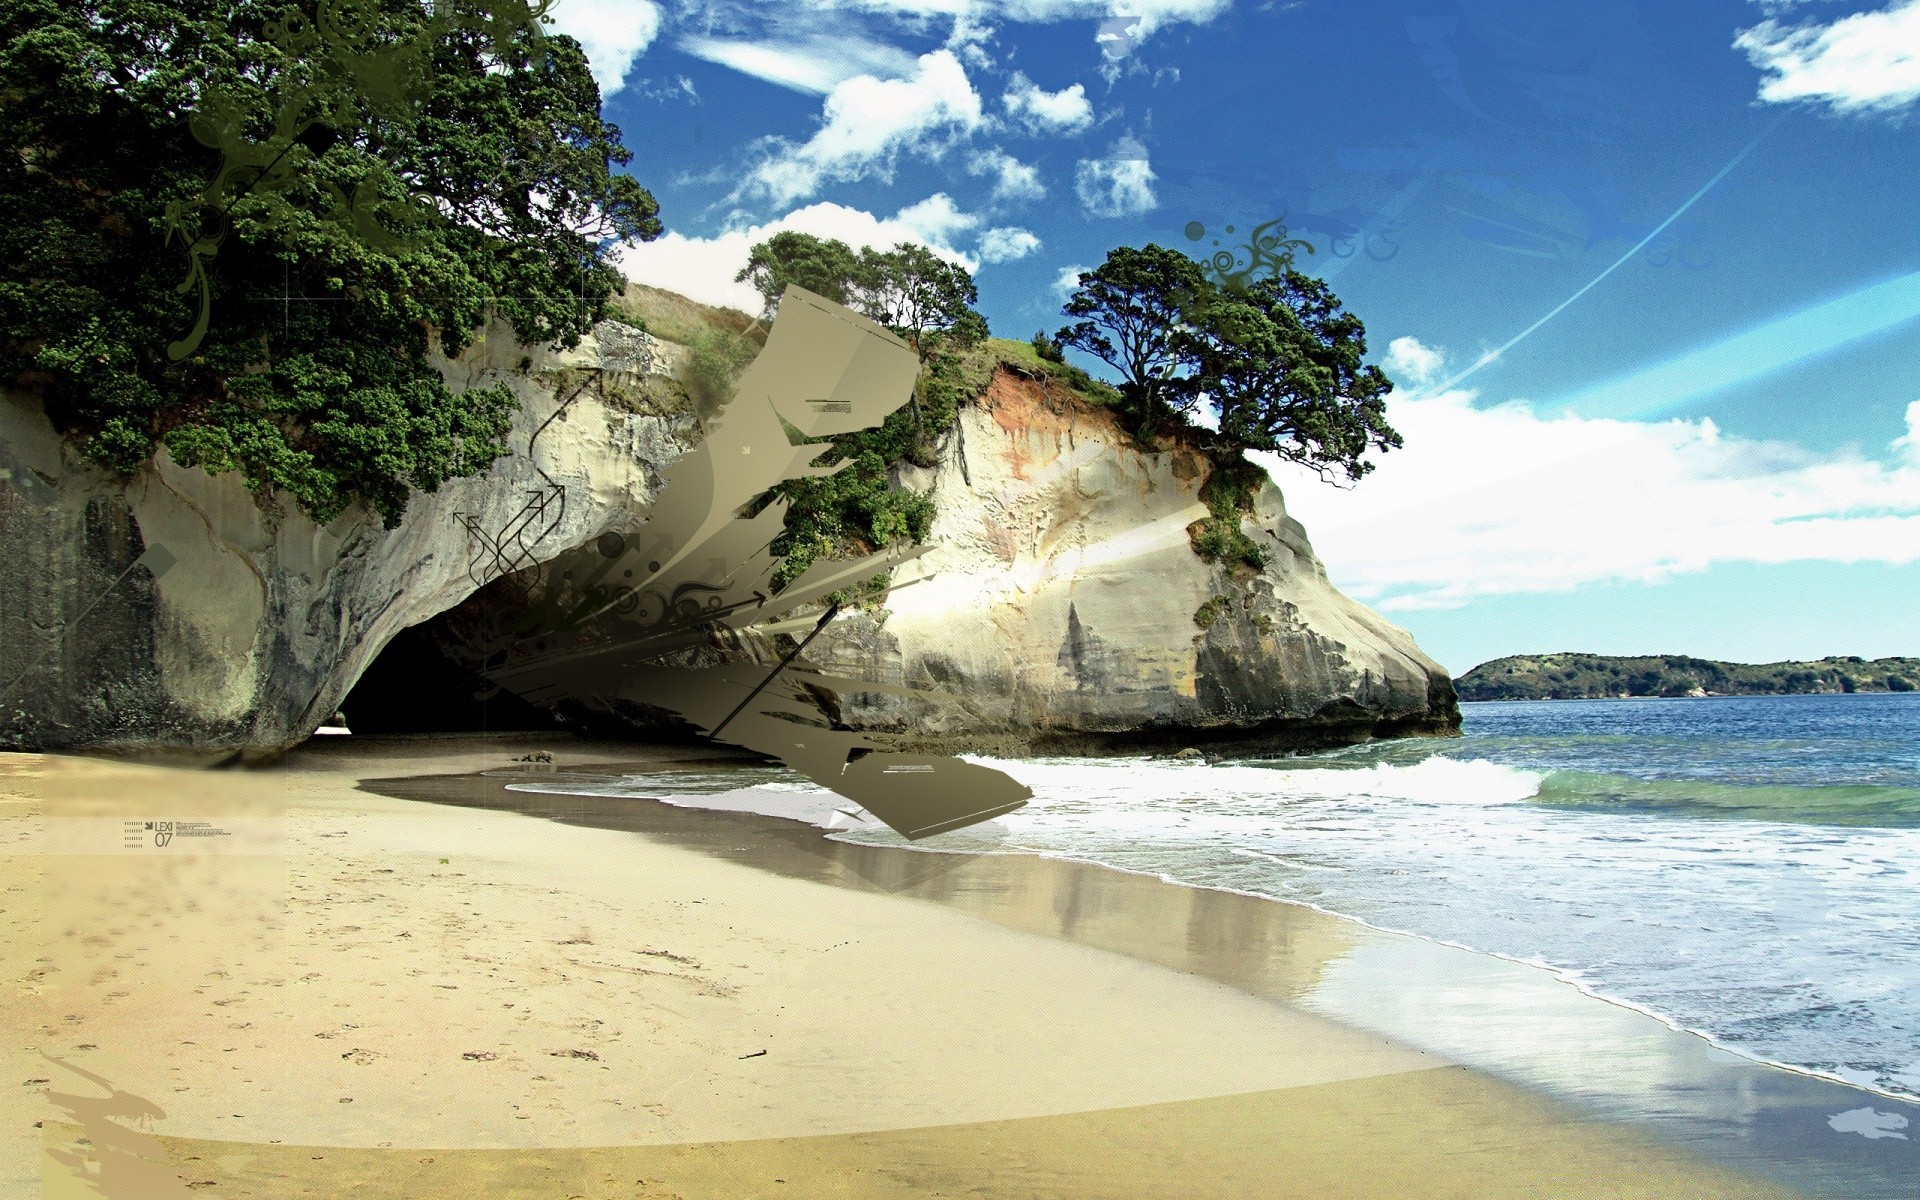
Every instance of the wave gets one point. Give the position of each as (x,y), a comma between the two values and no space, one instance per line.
(1433,780)
(1834,804)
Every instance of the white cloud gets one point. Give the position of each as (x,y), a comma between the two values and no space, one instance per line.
(1866,62)
(1119,185)
(1412,361)
(1007,243)
(814,64)
(1068,281)
(867,122)
(1062,112)
(703,268)
(935,219)
(614,34)
(1501,500)
(1908,448)
(801,29)
(1013,179)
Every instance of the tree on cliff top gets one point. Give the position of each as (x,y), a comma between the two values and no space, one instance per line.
(909,289)
(1132,310)
(1283,365)
(926,299)
(826,267)
(341,183)
(1279,359)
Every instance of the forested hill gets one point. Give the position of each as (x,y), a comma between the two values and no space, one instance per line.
(1600,676)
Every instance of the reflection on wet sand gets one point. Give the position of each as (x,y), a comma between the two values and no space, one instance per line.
(1269,949)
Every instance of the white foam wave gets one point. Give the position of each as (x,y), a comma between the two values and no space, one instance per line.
(1159,783)
(1113,796)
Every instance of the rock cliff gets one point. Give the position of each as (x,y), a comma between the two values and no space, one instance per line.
(173,612)
(1063,606)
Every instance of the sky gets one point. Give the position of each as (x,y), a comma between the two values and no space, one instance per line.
(1646,276)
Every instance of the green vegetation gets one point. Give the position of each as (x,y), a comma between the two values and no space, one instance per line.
(147,142)
(1595,676)
(1214,609)
(1278,359)
(1228,493)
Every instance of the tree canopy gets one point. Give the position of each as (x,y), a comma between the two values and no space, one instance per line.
(929,301)
(824,266)
(1132,309)
(1282,362)
(344,184)
(926,298)
(1278,358)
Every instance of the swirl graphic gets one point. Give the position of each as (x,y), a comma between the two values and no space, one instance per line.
(1267,251)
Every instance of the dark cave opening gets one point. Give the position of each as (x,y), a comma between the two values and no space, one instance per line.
(415,686)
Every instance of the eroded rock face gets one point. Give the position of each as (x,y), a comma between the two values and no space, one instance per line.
(1063,608)
(244,628)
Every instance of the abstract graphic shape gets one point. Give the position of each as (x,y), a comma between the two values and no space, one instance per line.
(1267,251)
(595,623)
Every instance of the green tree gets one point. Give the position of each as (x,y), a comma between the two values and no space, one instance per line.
(827,267)
(911,289)
(1284,365)
(1133,311)
(357,186)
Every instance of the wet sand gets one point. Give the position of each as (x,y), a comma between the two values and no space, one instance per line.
(451,989)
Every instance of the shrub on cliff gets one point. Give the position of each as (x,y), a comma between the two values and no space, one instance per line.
(237,227)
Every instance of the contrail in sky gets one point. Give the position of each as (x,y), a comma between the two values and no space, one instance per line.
(1494,355)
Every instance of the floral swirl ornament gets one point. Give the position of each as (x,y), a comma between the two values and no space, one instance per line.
(1267,251)
(340,73)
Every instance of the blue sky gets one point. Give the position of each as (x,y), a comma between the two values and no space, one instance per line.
(1710,449)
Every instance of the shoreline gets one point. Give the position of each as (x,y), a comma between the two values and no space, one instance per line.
(1210,980)
(1570,977)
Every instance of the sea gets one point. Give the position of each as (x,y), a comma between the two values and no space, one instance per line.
(1743,868)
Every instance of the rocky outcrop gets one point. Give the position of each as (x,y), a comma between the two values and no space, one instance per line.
(1064,608)
(171,611)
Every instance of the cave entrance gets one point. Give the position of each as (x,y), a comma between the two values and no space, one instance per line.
(415,686)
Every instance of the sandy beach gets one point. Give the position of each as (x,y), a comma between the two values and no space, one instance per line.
(324,990)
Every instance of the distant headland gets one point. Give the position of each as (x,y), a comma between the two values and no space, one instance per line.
(1603,676)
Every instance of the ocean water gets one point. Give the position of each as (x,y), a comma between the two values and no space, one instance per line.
(1742,867)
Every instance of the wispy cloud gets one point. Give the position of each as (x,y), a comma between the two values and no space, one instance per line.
(1006,243)
(1057,113)
(614,34)
(1866,62)
(1012,179)
(812,64)
(1412,361)
(868,122)
(1119,26)
(1119,185)
(1502,500)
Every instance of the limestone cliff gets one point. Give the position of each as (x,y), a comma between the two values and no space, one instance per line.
(246,625)
(1063,606)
